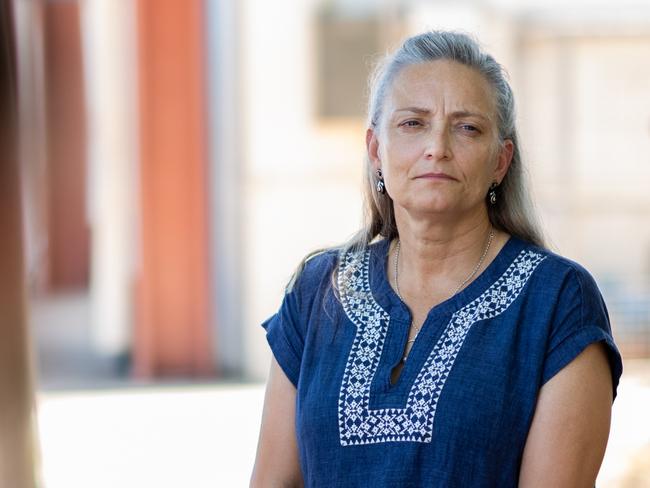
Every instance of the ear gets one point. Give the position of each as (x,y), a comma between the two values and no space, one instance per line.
(504,159)
(372,146)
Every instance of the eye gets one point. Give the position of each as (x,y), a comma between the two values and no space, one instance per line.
(469,129)
(411,123)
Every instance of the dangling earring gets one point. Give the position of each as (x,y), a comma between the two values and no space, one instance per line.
(381,188)
(493,192)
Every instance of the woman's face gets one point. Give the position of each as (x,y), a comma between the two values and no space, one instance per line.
(437,143)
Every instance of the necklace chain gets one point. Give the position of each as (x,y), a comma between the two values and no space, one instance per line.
(458,288)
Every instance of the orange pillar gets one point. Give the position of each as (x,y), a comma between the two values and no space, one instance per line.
(68,233)
(172,325)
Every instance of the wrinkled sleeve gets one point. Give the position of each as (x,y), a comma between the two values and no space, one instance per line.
(286,336)
(581,319)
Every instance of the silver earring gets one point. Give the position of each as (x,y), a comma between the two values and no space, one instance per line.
(493,192)
(381,188)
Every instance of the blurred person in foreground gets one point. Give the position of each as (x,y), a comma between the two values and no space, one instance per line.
(17,432)
(444,345)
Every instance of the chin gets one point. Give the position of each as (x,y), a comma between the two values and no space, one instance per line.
(434,207)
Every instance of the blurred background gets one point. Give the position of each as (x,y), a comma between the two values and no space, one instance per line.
(179,157)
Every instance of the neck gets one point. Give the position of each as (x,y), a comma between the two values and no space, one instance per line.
(436,257)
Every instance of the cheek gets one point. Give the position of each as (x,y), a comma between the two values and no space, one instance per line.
(478,170)
(402,153)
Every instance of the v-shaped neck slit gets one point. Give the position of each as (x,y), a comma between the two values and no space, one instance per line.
(394,378)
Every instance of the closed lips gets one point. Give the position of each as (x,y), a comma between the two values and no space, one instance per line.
(437,176)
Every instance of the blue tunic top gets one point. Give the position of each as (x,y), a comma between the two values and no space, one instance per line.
(460,411)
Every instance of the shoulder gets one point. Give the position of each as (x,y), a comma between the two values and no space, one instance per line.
(313,270)
(340,266)
(567,294)
(559,272)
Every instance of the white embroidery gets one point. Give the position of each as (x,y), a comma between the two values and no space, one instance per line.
(358,423)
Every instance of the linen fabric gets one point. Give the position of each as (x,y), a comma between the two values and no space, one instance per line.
(460,411)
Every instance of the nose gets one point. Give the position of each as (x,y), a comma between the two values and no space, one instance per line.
(438,146)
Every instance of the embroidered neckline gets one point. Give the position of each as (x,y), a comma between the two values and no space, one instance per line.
(358,423)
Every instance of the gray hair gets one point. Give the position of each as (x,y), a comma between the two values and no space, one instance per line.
(513,212)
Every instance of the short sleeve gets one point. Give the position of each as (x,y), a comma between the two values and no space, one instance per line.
(286,331)
(581,319)
(285,336)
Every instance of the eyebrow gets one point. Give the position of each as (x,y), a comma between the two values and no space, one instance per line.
(458,113)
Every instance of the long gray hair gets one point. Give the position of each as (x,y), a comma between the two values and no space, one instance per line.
(513,211)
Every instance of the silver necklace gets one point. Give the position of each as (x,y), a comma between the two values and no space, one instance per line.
(458,288)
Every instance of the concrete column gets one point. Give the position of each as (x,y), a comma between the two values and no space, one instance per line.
(226,154)
(108,29)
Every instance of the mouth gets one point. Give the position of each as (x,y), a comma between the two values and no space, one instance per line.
(436,176)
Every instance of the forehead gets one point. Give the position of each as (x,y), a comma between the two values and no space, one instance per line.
(442,84)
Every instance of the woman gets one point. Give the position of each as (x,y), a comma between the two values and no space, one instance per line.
(443,346)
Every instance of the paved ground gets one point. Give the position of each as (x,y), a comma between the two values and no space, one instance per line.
(176,437)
